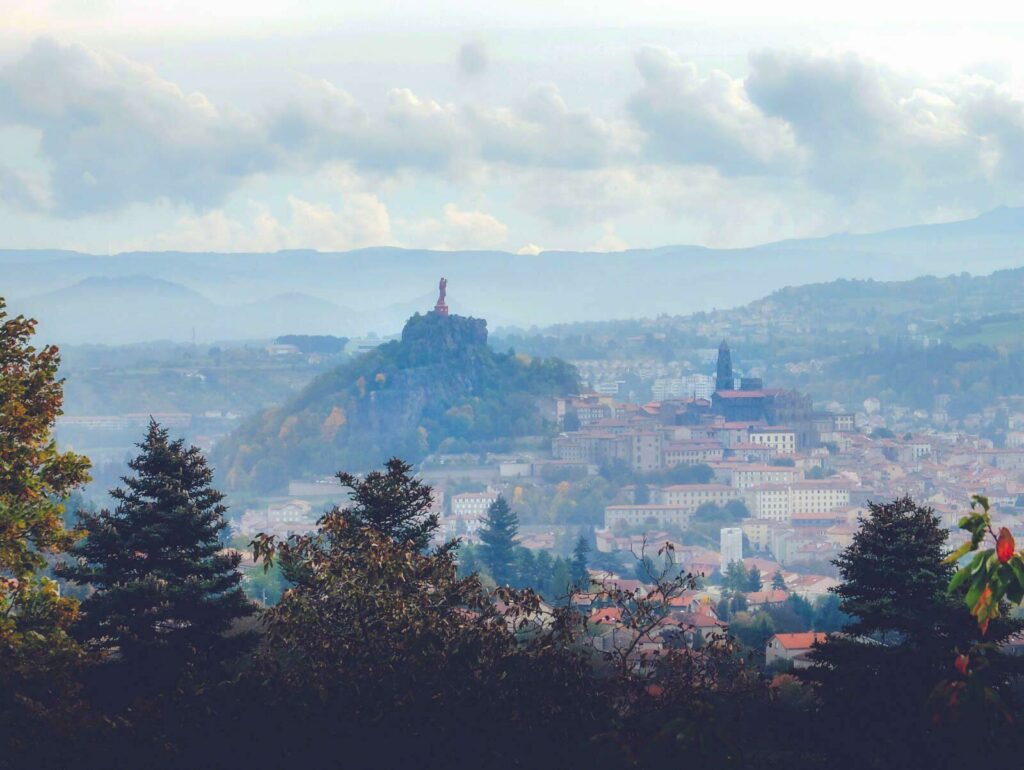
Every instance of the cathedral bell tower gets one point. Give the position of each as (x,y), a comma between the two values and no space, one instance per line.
(723,375)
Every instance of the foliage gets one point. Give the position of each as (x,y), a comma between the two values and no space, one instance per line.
(165,589)
(324,344)
(37,657)
(394,503)
(992,574)
(440,388)
(498,536)
(898,652)
(383,646)
(578,569)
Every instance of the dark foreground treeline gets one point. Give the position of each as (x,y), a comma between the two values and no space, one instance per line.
(380,655)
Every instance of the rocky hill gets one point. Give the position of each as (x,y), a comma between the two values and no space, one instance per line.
(439,387)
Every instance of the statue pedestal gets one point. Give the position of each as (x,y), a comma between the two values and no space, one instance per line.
(441,308)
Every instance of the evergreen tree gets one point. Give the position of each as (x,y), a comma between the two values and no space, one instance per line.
(561,580)
(542,567)
(166,592)
(735,577)
(827,615)
(526,567)
(723,610)
(644,570)
(778,582)
(394,503)
(578,566)
(468,563)
(754,582)
(498,536)
(904,634)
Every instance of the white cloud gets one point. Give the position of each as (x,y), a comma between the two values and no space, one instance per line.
(361,221)
(530,249)
(609,241)
(116,133)
(543,131)
(705,120)
(458,229)
(807,141)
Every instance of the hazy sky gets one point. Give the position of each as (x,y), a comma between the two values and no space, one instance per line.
(228,125)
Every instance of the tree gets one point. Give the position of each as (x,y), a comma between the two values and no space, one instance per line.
(724,609)
(904,636)
(166,590)
(578,567)
(644,569)
(542,566)
(736,577)
(384,655)
(525,567)
(754,582)
(394,503)
(778,582)
(827,615)
(498,538)
(560,583)
(37,656)
(467,560)
(35,478)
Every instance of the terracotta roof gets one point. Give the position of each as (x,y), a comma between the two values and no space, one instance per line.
(606,616)
(800,641)
(772,596)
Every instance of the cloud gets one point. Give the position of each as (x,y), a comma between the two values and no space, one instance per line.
(705,120)
(848,141)
(866,127)
(609,241)
(543,131)
(22,190)
(473,58)
(530,249)
(325,122)
(361,221)
(115,132)
(459,229)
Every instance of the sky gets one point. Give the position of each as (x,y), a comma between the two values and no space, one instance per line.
(257,126)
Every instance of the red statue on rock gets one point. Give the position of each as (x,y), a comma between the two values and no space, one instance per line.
(441,308)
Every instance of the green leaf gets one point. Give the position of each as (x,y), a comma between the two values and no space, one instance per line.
(958,579)
(1017,566)
(959,553)
(977,586)
(976,561)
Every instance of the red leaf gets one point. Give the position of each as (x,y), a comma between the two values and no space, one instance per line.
(961,663)
(1005,545)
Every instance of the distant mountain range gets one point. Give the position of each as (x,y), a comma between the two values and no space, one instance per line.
(166,295)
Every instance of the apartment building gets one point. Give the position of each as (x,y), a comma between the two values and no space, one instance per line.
(780,440)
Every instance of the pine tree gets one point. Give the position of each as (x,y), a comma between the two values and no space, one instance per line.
(904,634)
(542,566)
(498,538)
(166,592)
(525,568)
(778,582)
(394,503)
(578,567)
(467,560)
(561,580)
(736,577)
(754,582)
